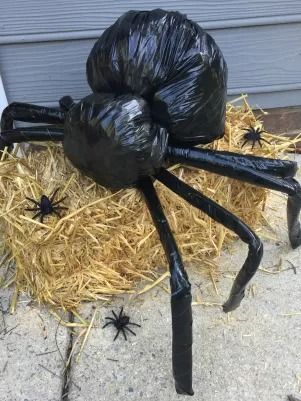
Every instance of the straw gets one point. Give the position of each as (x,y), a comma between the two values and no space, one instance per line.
(105,243)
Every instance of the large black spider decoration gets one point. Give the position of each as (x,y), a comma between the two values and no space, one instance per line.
(46,206)
(121,323)
(141,119)
(254,135)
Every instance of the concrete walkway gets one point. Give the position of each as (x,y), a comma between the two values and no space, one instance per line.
(30,364)
(254,354)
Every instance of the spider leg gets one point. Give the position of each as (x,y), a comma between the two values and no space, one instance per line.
(208,159)
(253,144)
(38,134)
(59,207)
(57,213)
(110,318)
(42,218)
(27,113)
(30,113)
(53,196)
(259,141)
(59,201)
(134,324)
(265,140)
(180,294)
(114,314)
(131,331)
(107,324)
(34,201)
(118,331)
(37,215)
(229,168)
(120,313)
(245,142)
(230,221)
(123,332)
(33,209)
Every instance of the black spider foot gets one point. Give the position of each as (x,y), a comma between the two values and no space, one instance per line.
(66,102)
(294,227)
(254,135)
(233,302)
(295,238)
(121,323)
(183,392)
(4,144)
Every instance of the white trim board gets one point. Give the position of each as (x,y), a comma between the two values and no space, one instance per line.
(3,99)
(3,104)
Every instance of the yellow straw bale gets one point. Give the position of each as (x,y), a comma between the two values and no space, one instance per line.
(106,243)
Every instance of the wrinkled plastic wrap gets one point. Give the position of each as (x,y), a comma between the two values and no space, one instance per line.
(180,287)
(113,139)
(181,315)
(173,64)
(161,80)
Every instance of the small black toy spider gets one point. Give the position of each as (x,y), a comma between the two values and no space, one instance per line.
(254,135)
(121,322)
(46,206)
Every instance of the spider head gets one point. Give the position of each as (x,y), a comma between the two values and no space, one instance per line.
(113,139)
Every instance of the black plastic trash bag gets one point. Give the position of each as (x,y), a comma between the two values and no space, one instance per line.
(176,77)
(119,132)
(172,63)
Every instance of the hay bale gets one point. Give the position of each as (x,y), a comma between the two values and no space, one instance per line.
(106,242)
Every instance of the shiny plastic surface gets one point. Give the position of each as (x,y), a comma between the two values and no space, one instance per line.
(172,63)
(223,216)
(37,134)
(29,113)
(207,159)
(181,312)
(181,315)
(113,139)
(267,173)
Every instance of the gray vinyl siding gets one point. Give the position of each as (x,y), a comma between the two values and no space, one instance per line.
(44,45)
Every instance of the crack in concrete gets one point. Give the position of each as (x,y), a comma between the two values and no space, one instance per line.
(67,369)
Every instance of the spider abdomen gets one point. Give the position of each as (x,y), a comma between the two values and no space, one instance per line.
(173,64)
(113,139)
(46,205)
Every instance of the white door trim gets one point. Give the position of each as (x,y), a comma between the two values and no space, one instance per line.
(3,99)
